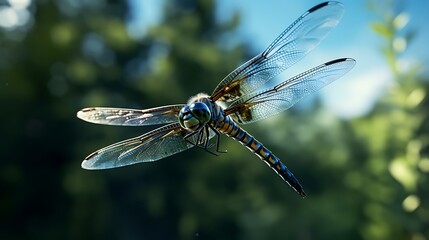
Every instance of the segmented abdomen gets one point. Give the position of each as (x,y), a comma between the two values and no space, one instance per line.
(230,128)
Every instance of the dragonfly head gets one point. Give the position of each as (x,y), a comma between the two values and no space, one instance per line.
(193,117)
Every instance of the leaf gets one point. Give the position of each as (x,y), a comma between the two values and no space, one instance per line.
(401,20)
(382,30)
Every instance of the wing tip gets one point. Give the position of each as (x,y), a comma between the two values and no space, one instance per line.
(80,114)
(86,166)
(91,165)
(351,60)
(321,5)
(89,162)
(83,113)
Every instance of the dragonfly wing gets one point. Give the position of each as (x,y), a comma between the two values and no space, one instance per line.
(157,144)
(266,103)
(291,46)
(131,117)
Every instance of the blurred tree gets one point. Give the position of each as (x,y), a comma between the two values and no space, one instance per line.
(74,54)
(46,70)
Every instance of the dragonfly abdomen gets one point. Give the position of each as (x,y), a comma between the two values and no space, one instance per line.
(230,128)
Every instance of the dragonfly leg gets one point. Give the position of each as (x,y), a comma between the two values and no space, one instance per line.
(187,136)
(207,140)
(199,140)
(217,139)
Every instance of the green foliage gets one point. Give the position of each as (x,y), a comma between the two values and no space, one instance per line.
(396,143)
(365,178)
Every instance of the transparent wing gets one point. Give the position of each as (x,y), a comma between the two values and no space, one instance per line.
(157,144)
(264,104)
(291,46)
(131,117)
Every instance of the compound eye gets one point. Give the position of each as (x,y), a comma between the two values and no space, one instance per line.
(184,114)
(201,112)
(192,123)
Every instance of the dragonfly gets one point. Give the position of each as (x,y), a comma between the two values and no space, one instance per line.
(243,96)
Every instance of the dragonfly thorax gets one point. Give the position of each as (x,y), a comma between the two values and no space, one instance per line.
(194,116)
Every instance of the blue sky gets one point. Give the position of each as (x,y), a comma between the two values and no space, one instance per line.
(261,21)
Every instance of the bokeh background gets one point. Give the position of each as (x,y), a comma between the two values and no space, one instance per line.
(360,147)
